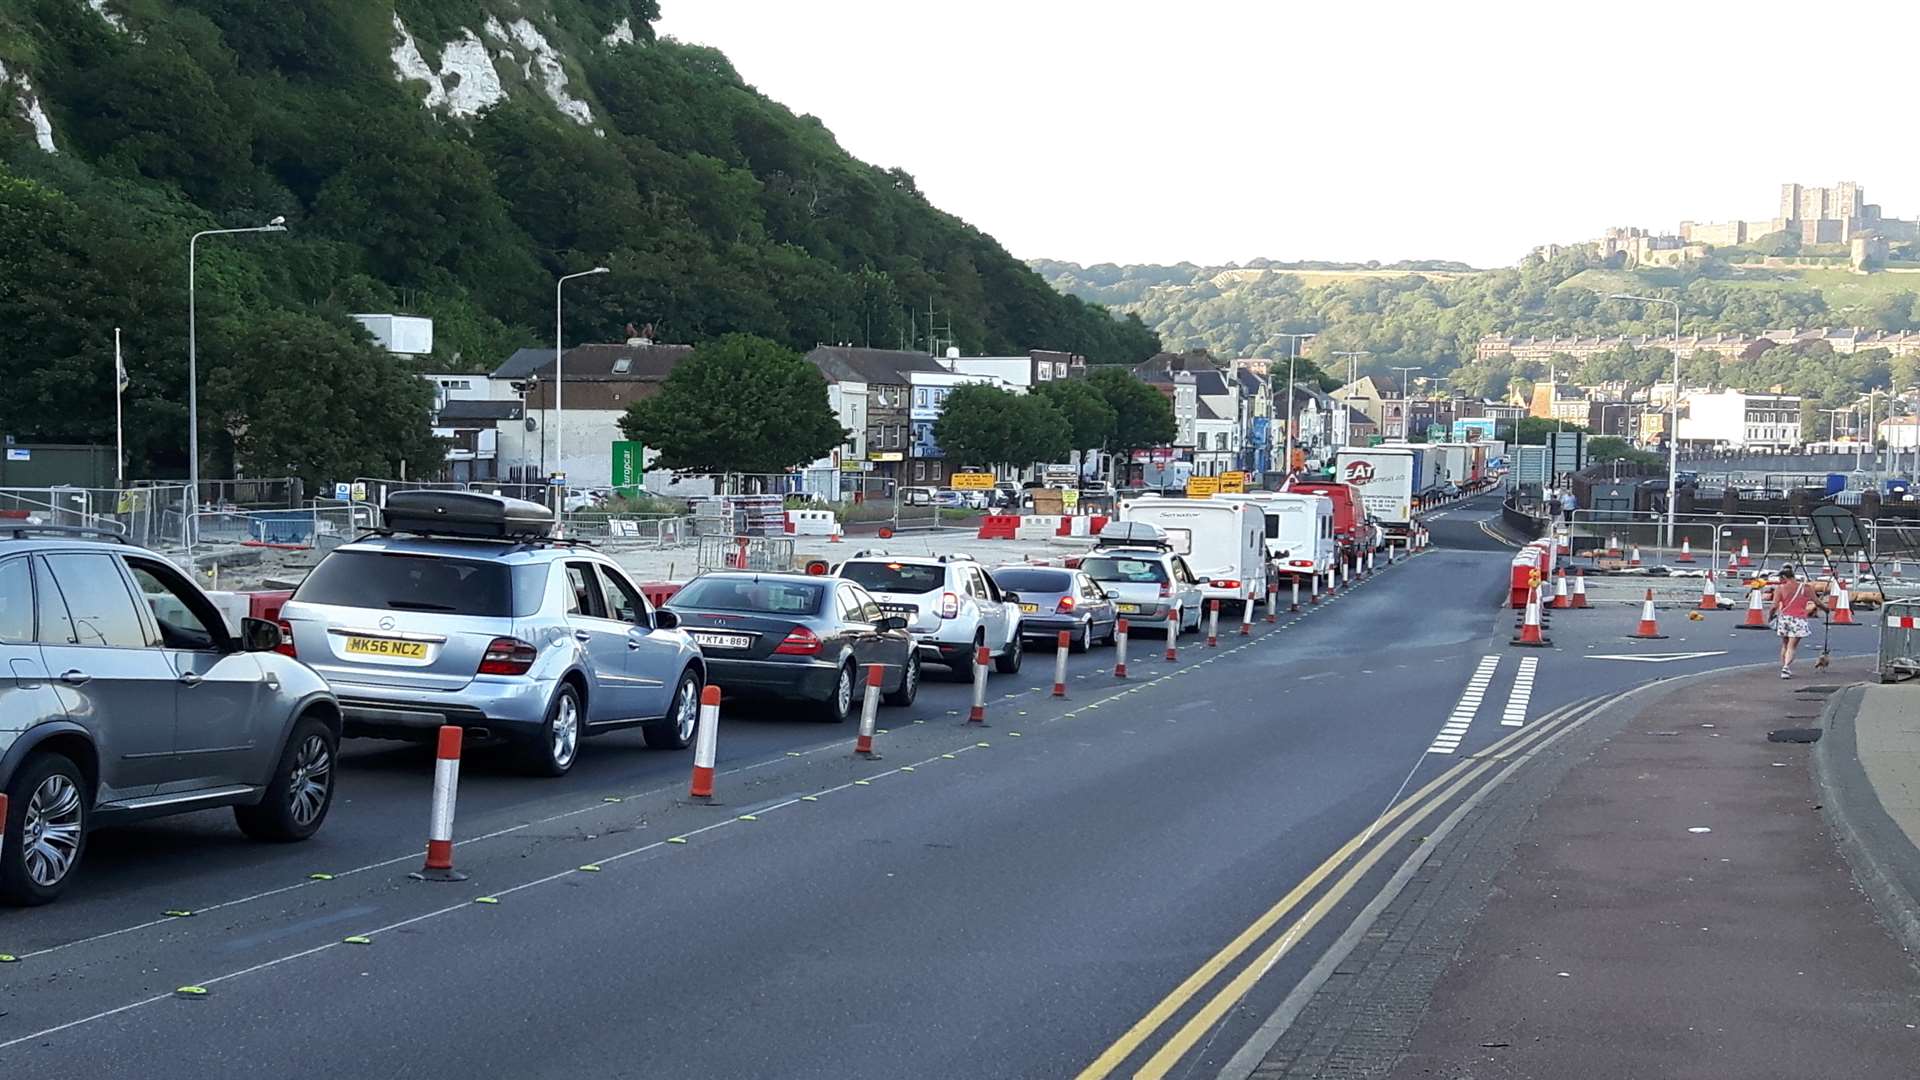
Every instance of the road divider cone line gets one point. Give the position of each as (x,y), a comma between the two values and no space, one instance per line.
(1649,625)
(706,743)
(446,791)
(1756,614)
(1580,589)
(1842,604)
(1686,551)
(1709,600)
(1060,663)
(869,711)
(982,660)
(1562,599)
(1120,649)
(1173,634)
(1213,624)
(1530,634)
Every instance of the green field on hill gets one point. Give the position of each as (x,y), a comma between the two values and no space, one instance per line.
(1842,289)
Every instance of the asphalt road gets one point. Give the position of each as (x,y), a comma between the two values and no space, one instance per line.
(1125,882)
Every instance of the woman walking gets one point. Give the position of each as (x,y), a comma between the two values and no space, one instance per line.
(1792,601)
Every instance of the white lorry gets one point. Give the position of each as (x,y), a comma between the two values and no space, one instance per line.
(1385,477)
(1224,542)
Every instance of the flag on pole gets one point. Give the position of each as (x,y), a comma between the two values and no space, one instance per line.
(119,366)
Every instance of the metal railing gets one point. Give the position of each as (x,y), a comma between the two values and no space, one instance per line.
(151,517)
(1704,535)
(1899,657)
(768,554)
(314,528)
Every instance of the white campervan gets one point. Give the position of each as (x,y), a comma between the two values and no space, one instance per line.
(1305,533)
(1224,542)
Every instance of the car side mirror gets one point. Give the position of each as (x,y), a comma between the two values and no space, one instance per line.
(259,635)
(893,622)
(665,620)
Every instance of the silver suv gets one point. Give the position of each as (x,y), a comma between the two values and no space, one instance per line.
(513,636)
(951,605)
(126,697)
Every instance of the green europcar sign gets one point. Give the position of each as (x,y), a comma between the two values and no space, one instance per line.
(629,465)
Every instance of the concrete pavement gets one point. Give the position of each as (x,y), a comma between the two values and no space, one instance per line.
(1868,769)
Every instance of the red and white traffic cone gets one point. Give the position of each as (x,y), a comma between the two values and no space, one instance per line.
(1860,563)
(834,537)
(1746,558)
(1649,626)
(1686,551)
(1564,542)
(1060,664)
(1756,614)
(1294,608)
(1896,568)
(869,711)
(1120,649)
(1842,604)
(1173,635)
(981,661)
(1530,626)
(1562,599)
(1580,590)
(706,743)
(1634,559)
(1709,600)
(1613,545)
(1213,624)
(446,790)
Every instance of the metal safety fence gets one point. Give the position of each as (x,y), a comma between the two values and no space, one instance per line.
(768,554)
(1899,657)
(152,517)
(314,528)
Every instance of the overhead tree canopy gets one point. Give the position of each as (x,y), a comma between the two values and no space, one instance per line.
(1143,417)
(737,404)
(1090,420)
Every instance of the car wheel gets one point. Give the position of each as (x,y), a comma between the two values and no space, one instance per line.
(909,683)
(301,791)
(1008,663)
(839,703)
(676,731)
(555,749)
(1084,639)
(45,830)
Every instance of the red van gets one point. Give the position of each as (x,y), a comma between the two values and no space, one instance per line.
(1349,513)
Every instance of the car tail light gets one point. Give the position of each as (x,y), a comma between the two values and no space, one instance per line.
(1300,562)
(799,641)
(507,656)
(949,606)
(1064,607)
(285,648)
(1166,588)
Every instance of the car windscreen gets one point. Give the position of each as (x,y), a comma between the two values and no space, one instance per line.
(759,595)
(407,581)
(1021,579)
(895,577)
(1121,568)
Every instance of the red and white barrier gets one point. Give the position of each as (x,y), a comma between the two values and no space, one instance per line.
(1120,649)
(1313,589)
(706,743)
(446,790)
(1037,527)
(1213,624)
(869,711)
(981,661)
(1294,608)
(1273,600)
(1060,664)
(811,523)
(1173,635)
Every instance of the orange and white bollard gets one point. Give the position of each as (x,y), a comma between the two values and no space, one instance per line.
(446,790)
(1842,604)
(1173,635)
(1060,664)
(1580,590)
(1686,551)
(1649,625)
(1273,601)
(982,660)
(1709,599)
(1530,634)
(706,743)
(1246,617)
(1369,562)
(869,711)
(1756,614)
(1562,599)
(1120,649)
(1313,589)
(1294,608)
(1213,624)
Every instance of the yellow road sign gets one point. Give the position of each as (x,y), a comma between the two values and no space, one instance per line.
(973,481)
(1199,487)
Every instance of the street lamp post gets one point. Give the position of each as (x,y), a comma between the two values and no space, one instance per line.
(1293,353)
(1673,429)
(560,385)
(277,225)
(1346,405)
(1406,407)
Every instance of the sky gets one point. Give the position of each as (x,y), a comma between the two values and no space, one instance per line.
(1219,131)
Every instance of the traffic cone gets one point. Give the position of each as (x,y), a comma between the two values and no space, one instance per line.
(1530,635)
(1613,546)
(1896,568)
(1745,558)
(1686,551)
(1756,617)
(1649,626)
(1565,549)
(1580,590)
(834,536)
(1842,604)
(1709,600)
(1634,559)
(1562,600)
(1860,563)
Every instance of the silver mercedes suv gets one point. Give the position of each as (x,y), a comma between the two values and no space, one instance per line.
(127,697)
(466,612)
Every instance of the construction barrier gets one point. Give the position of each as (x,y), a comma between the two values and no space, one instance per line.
(811,523)
(1038,527)
(446,789)
(999,527)
(659,592)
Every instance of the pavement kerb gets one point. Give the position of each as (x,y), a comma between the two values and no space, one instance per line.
(1885,863)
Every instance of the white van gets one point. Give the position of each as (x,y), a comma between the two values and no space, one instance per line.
(1305,533)
(1224,542)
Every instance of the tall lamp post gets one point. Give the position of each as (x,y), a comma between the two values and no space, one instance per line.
(1346,406)
(1293,354)
(1406,407)
(560,386)
(277,225)
(1673,428)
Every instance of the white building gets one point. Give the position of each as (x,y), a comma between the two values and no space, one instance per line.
(1738,420)
(927,399)
(1901,432)
(1215,442)
(1017,373)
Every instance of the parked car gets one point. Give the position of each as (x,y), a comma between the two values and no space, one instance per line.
(1134,562)
(797,637)
(1053,599)
(1005,493)
(951,606)
(128,697)
(918,496)
(948,499)
(470,614)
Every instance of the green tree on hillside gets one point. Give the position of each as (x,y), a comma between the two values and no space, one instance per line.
(739,404)
(1089,418)
(1143,417)
(985,425)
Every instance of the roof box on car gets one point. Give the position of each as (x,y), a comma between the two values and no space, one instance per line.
(466,513)
(1131,534)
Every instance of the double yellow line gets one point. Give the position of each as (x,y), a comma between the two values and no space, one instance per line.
(1436,793)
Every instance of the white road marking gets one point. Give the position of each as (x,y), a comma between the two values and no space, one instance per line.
(1455,729)
(1521,693)
(1656,658)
